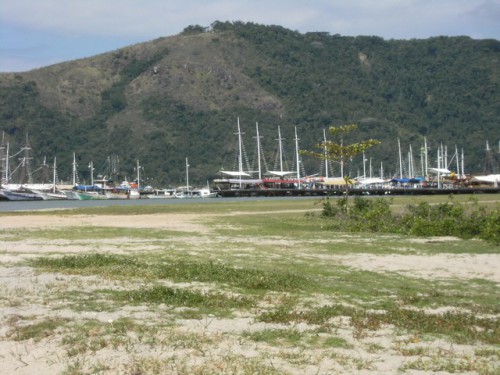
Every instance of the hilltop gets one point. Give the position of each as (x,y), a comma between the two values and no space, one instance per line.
(180,96)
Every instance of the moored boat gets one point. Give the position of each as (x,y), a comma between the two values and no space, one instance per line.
(20,195)
(161,194)
(121,193)
(53,194)
(89,195)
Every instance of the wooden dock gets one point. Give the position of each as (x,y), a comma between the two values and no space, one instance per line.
(339,192)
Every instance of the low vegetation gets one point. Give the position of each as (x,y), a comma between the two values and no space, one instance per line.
(451,218)
(268,289)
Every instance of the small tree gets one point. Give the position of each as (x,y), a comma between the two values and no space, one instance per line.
(340,152)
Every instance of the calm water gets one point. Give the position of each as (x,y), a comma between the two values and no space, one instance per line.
(6,206)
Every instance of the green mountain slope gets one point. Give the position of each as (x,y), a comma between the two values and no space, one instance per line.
(180,96)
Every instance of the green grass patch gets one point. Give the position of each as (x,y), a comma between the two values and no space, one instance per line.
(292,337)
(464,328)
(90,233)
(210,272)
(180,298)
(37,330)
(439,363)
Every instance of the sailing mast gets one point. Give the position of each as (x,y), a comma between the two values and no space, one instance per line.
(26,164)
(425,158)
(400,161)
(258,149)
(54,176)
(280,149)
(74,170)
(463,172)
(187,173)
(139,176)
(297,157)
(324,151)
(240,152)
(91,167)
(364,165)
(4,157)
(439,158)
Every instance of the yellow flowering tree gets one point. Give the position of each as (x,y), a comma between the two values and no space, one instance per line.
(336,149)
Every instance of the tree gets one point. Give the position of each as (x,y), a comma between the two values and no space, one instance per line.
(340,152)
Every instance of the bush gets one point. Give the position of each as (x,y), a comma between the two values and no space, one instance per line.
(490,227)
(372,214)
(422,219)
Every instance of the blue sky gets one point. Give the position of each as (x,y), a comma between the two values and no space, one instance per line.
(37,33)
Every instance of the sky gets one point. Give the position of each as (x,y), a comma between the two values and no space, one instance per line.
(37,33)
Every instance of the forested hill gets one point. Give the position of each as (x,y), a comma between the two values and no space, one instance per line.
(180,96)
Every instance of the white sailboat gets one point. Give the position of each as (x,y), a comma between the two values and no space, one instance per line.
(188,192)
(238,179)
(52,193)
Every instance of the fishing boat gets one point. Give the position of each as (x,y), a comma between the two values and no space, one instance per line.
(161,194)
(122,192)
(82,194)
(196,193)
(52,192)
(21,194)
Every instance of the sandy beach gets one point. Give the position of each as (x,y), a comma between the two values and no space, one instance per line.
(25,299)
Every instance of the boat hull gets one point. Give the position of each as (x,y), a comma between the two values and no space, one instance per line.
(20,195)
(89,195)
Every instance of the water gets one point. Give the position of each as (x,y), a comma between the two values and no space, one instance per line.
(8,206)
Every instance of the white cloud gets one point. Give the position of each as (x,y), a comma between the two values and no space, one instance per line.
(153,18)
(131,21)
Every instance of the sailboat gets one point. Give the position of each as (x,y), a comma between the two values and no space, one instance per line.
(51,193)
(187,192)
(21,191)
(237,179)
(285,179)
(87,192)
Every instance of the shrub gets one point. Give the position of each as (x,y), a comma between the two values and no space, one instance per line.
(421,219)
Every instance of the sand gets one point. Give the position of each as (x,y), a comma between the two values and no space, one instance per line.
(219,347)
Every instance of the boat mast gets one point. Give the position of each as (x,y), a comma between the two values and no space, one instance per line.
(297,157)
(91,167)
(187,174)
(26,164)
(240,152)
(280,149)
(425,158)
(258,149)
(410,163)
(7,172)
(400,161)
(139,176)
(3,160)
(74,169)
(463,172)
(54,176)
(326,160)
(439,157)
(422,167)
(446,164)
(364,165)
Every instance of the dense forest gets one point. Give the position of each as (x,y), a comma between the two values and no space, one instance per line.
(180,97)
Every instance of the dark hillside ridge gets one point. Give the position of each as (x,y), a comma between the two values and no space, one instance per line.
(180,96)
